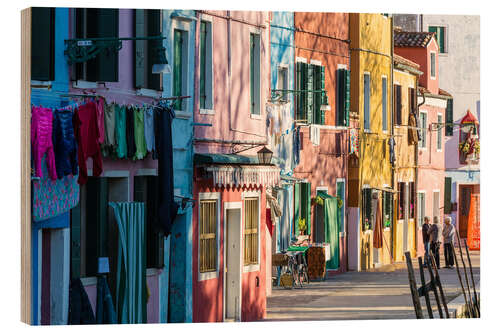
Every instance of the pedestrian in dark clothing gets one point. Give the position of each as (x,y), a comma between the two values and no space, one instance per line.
(425,239)
(448,241)
(435,234)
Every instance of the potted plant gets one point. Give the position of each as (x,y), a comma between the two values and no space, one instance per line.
(302,226)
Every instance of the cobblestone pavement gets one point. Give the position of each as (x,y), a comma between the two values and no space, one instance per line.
(380,294)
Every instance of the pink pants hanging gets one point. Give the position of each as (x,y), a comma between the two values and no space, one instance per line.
(41,140)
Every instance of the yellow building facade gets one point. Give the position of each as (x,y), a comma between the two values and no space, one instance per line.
(406,75)
(370,170)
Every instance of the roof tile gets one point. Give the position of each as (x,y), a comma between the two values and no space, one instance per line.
(412,38)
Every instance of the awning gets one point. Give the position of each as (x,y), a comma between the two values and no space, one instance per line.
(240,175)
(229,159)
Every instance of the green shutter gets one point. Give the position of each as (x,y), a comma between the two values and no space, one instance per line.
(102,23)
(296,207)
(310,96)
(347,96)
(252,73)
(42,43)
(435,30)
(177,75)
(441,40)
(140,48)
(154,29)
(449,117)
(203,63)
(75,248)
(96,222)
(317,97)
(447,195)
(339,105)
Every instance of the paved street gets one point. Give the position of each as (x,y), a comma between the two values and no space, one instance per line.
(382,294)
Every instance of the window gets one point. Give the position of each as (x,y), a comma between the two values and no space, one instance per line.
(251,254)
(398,107)
(180,68)
(421,208)
(255,74)
(146,190)
(42,43)
(384,103)
(449,117)
(368,217)
(97,23)
(435,201)
(401,200)
(311,77)
(343,96)
(302,206)
(412,100)
(206,100)
(439,133)
(366,108)
(388,211)
(147,24)
(411,203)
(440,37)
(208,236)
(283,81)
(423,123)
(94,231)
(433,65)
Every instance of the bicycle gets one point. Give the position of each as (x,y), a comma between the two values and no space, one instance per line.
(297,267)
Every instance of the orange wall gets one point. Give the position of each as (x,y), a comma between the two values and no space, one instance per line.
(330,50)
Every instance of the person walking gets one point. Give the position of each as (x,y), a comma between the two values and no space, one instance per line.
(425,239)
(448,241)
(435,234)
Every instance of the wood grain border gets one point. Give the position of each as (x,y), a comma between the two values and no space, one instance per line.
(25,166)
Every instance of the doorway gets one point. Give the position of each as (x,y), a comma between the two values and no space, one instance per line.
(232,278)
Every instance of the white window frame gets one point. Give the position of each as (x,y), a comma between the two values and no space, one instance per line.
(209,196)
(439,200)
(439,134)
(285,67)
(210,65)
(435,64)
(251,267)
(258,71)
(424,130)
(185,27)
(423,192)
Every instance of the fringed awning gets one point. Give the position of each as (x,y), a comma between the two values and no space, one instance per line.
(240,175)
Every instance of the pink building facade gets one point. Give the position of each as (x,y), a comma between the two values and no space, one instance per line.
(422,48)
(230,236)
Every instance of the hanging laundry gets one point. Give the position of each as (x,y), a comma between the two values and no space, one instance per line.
(51,198)
(109,126)
(149,129)
(130,132)
(41,140)
(140,140)
(167,207)
(100,119)
(353,142)
(65,143)
(88,136)
(121,131)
